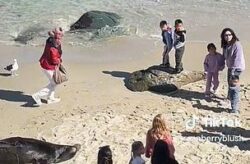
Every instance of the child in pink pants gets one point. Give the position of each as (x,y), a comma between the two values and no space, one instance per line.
(214,62)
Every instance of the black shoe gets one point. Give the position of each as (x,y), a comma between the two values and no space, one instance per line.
(178,70)
(235,111)
(165,65)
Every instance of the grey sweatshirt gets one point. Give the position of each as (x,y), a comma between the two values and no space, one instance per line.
(234,56)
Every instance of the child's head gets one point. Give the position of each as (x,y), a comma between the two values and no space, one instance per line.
(159,126)
(178,24)
(211,48)
(137,148)
(105,155)
(163,25)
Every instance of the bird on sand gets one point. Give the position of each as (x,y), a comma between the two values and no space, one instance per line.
(12,68)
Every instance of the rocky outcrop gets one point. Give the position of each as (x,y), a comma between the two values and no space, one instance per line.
(162,80)
(96,20)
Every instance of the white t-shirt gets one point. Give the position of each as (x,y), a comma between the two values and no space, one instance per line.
(138,160)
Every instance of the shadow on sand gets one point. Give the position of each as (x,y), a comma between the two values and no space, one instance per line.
(196,98)
(208,108)
(125,75)
(119,74)
(226,130)
(181,93)
(5,74)
(17,96)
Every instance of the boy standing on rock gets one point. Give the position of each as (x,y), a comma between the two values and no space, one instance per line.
(179,44)
(167,38)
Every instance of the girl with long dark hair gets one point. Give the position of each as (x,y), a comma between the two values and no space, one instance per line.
(233,53)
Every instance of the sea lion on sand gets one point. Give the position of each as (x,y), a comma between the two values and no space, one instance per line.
(17,150)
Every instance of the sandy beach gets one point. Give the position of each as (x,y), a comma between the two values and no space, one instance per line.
(97,109)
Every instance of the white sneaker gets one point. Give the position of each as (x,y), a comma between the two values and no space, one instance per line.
(216,91)
(53,100)
(37,99)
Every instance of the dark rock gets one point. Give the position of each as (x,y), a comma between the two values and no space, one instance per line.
(161,79)
(95,20)
(26,150)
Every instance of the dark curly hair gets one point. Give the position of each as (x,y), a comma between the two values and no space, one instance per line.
(105,155)
(223,41)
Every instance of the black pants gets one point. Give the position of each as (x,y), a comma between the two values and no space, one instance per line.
(178,57)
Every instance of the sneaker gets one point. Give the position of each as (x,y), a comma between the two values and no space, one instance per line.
(235,111)
(53,100)
(37,99)
(165,65)
(178,70)
(215,92)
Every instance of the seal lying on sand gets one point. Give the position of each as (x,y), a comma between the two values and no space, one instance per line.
(161,80)
(17,150)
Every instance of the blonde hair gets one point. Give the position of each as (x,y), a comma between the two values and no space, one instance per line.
(159,127)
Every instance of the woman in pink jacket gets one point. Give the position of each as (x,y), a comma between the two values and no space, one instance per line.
(50,59)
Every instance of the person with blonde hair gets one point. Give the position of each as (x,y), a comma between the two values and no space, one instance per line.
(159,131)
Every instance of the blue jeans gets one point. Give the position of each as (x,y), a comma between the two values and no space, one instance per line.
(233,90)
(234,97)
(231,72)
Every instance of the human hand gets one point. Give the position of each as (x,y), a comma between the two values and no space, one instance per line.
(181,28)
(233,71)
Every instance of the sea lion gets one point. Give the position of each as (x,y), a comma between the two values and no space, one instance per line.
(17,150)
(161,80)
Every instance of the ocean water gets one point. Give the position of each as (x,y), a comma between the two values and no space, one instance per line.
(203,19)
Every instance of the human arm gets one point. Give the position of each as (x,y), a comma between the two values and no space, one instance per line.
(148,147)
(55,56)
(205,64)
(183,36)
(221,63)
(237,57)
(182,33)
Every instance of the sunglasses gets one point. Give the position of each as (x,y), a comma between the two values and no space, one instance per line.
(228,35)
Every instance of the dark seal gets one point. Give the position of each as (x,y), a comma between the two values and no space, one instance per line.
(17,150)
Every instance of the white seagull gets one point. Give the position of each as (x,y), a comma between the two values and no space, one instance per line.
(12,68)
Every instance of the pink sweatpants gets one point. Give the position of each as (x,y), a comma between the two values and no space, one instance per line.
(212,78)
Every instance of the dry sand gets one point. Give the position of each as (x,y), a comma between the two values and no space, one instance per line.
(97,109)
